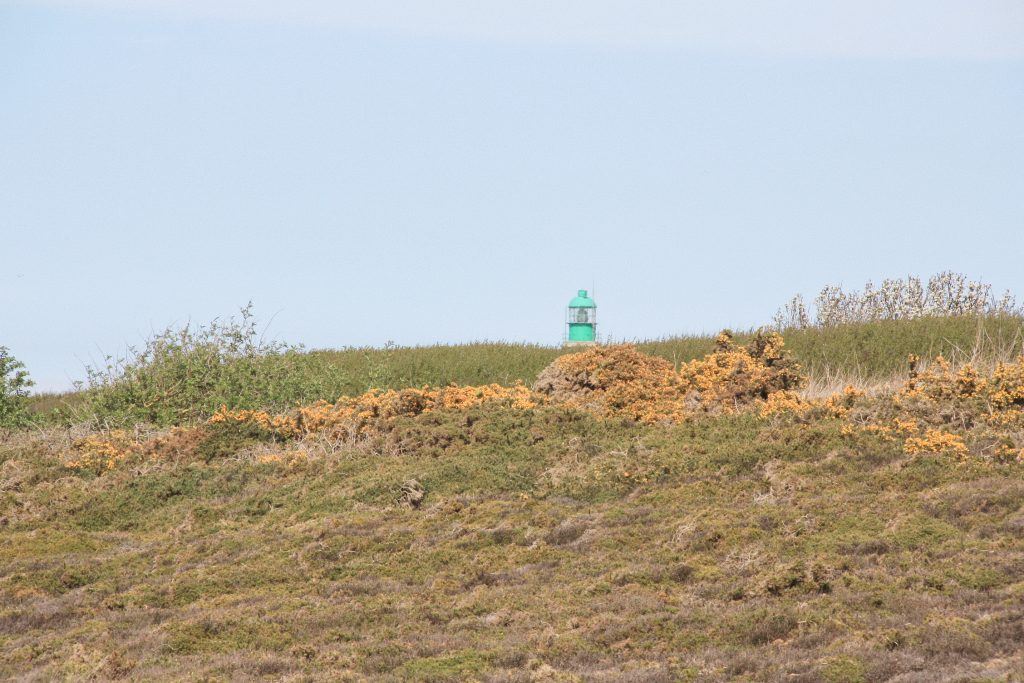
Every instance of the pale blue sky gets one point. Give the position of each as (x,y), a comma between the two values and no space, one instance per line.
(452,171)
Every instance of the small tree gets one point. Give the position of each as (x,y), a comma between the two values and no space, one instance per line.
(14,386)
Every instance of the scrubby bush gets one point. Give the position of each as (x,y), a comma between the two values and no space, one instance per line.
(621,380)
(616,379)
(738,375)
(960,411)
(355,416)
(976,417)
(945,294)
(184,374)
(14,386)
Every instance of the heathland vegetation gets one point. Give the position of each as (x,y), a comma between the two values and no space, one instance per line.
(830,501)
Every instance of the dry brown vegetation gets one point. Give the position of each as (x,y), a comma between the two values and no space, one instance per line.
(629,520)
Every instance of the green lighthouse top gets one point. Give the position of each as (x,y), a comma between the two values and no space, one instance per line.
(582,300)
(581,320)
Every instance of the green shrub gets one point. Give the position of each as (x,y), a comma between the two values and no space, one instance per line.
(186,374)
(14,386)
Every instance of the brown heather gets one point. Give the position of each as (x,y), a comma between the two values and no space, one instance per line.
(626,519)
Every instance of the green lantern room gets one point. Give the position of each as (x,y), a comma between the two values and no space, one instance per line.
(581,320)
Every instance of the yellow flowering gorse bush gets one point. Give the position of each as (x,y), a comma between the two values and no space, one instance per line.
(620,381)
(733,376)
(101,452)
(940,410)
(936,441)
(359,415)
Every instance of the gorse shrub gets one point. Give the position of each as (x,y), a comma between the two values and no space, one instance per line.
(351,417)
(959,411)
(184,374)
(350,420)
(611,382)
(100,453)
(612,379)
(939,411)
(945,294)
(14,386)
(738,375)
(621,380)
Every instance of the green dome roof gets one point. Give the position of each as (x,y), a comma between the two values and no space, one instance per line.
(582,300)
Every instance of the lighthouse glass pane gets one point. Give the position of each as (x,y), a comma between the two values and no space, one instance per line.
(581,315)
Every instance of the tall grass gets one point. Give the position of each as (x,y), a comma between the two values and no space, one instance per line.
(438,365)
(872,350)
(880,349)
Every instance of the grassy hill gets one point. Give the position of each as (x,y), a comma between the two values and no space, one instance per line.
(548,546)
(499,540)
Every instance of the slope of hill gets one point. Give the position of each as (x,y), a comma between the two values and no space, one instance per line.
(705,524)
